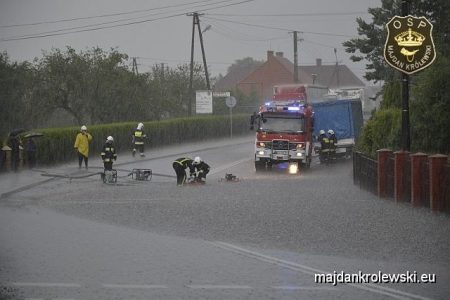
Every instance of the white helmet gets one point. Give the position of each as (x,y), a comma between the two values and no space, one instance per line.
(322,132)
(197,160)
(330,131)
(110,139)
(140,126)
(83,128)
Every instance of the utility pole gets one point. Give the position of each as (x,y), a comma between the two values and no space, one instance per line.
(196,21)
(295,58)
(406,137)
(337,68)
(134,68)
(192,67)
(296,41)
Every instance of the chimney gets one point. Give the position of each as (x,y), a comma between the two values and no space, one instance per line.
(318,62)
(279,54)
(269,54)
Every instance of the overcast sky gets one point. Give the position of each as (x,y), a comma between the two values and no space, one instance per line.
(160,32)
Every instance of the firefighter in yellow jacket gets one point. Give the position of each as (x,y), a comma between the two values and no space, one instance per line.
(82,146)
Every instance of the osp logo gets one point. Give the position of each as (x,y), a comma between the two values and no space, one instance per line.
(409,44)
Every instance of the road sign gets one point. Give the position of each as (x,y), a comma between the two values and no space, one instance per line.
(221,94)
(230,102)
(203,102)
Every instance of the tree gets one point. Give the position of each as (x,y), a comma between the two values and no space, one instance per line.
(429,96)
(370,45)
(62,79)
(15,80)
(175,89)
(244,64)
(430,113)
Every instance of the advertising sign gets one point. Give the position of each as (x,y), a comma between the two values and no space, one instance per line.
(203,102)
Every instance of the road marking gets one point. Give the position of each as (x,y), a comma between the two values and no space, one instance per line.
(221,287)
(50,298)
(312,271)
(46,284)
(134,286)
(294,287)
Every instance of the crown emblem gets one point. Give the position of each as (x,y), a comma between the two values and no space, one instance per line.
(409,38)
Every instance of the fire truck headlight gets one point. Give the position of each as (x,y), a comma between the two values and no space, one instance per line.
(293,168)
(299,154)
(261,152)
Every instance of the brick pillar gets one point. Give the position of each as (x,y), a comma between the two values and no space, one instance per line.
(383,155)
(437,164)
(417,161)
(399,166)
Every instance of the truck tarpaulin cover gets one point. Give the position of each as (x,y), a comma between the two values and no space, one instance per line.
(344,117)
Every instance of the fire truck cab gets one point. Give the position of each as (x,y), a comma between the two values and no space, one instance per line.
(284,127)
(284,132)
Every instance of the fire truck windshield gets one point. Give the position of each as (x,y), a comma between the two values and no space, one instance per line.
(269,124)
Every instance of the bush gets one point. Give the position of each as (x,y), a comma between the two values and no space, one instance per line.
(383,130)
(57,143)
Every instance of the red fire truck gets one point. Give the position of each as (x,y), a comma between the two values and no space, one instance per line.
(284,127)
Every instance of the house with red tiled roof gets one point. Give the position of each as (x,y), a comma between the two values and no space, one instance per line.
(279,70)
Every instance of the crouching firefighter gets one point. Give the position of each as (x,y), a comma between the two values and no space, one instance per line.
(201,169)
(180,165)
(108,153)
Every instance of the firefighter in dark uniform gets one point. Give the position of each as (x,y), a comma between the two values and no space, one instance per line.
(180,165)
(324,145)
(137,140)
(108,153)
(201,169)
(332,137)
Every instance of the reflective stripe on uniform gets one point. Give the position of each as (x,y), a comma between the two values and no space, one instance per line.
(138,133)
(181,162)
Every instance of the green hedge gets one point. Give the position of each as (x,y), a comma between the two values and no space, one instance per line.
(383,130)
(57,143)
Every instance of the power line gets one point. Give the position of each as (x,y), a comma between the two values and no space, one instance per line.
(230,33)
(293,15)
(74,29)
(101,16)
(280,28)
(105,23)
(85,30)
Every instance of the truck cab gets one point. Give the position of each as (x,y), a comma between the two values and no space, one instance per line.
(283,134)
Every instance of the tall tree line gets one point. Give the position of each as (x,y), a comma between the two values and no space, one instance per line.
(66,87)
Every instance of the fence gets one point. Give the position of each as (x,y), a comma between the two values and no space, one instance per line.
(365,172)
(422,180)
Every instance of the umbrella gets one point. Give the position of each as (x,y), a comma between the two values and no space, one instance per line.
(33,134)
(16,132)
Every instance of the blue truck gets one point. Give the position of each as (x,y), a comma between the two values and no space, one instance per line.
(344,117)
